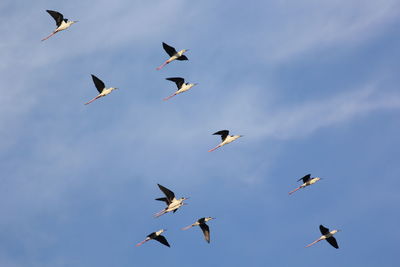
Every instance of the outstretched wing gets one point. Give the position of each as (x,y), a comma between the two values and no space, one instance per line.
(331,240)
(305,178)
(223,134)
(206,231)
(57,16)
(169,49)
(162,240)
(98,83)
(183,57)
(163,199)
(168,193)
(177,80)
(323,230)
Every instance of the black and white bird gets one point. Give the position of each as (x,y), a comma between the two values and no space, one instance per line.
(156,236)
(174,55)
(326,235)
(173,204)
(180,83)
(307,180)
(103,91)
(61,22)
(226,138)
(204,227)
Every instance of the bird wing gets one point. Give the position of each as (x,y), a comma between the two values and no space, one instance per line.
(323,230)
(57,16)
(169,49)
(168,193)
(163,199)
(331,240)
(223,134)
(177,80)
(162,240)
(305,178)
(183,57)
(206,231)
(98,83)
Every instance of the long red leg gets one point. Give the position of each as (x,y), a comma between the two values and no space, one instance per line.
(169,97)
(291,192)
(44,39)
(141,243)
(214,148)
(187,227)
(160,67)
(316,241)
(92,100)
(158,214)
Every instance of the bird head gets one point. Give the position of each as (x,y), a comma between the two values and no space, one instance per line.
(114,88)
(161,231)
(209,219)
(74,21)
(317,178)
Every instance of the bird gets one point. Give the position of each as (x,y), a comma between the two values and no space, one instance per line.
(103,91)
(173,55)
(204,227)
(180,83)
(61,22)
(326,235)
(226,138)
(173,204)
(156,236)
(307,180)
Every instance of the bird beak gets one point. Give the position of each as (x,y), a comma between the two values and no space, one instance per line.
(195,84)
(75,21)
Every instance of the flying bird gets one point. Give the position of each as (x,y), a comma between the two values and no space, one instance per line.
(103,91)
(61,22)
(307,180)
(226,138)
(326,235)
(182,86)
(156,236)
(173,55)
(173,204)
(204,227)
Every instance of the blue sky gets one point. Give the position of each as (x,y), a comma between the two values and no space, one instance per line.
(312,86)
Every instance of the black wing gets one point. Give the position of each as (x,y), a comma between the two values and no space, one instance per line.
(183,57)
(162,240)
(57,16)
(223,134)
(331,240)
(168,193)
(169,49)
(206,231)
(98,83)
(323,230)
(163,199)
(305,178)
(177,80)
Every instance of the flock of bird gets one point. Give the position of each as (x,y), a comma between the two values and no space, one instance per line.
(172,203)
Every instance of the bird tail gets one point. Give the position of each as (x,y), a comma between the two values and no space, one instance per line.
(316,241)
(187,227)
(169,97)
(291,192)
(92,100)
(44,39)
(158,214)
(160,67)
(214,148)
